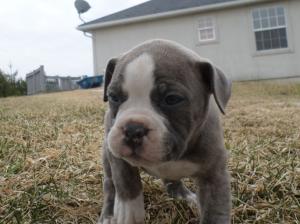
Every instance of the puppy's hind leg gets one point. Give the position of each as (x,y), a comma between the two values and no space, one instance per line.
(176,189)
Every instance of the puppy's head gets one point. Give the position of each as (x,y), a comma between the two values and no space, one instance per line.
(158,95)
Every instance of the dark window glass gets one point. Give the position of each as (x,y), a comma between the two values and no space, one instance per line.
(267,44)
(259,45)
(283,43)
(275,43)
(274,34)
(267,35)
(271,39)
(282,33)
(259,36)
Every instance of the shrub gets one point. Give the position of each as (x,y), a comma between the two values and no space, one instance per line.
(11,87)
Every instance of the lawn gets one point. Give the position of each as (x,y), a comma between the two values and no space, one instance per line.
(50,166)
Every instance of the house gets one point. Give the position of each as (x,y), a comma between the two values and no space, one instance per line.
(248,39)
(38,82)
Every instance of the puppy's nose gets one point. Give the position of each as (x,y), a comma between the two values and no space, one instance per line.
(134,133)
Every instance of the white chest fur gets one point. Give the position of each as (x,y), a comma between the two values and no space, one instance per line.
(173,170)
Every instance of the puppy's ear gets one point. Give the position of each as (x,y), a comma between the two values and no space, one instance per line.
(108,75)
(217,83)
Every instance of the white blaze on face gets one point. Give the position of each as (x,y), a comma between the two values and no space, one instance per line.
(138,84)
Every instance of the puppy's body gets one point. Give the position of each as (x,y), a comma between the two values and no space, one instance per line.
(163,119)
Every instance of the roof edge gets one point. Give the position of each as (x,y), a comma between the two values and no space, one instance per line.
(91,27)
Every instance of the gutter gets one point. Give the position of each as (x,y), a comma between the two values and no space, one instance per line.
(163,15)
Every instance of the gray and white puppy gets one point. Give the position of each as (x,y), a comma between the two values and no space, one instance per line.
(162,118)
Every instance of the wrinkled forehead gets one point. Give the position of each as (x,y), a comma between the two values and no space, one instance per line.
(161,61)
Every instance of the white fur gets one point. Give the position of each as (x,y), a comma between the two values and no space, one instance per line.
(138,83)
(139,80)
(173,170)
(192,199)
(109,220)
(129,212)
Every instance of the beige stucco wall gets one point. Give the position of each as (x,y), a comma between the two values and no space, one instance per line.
(234,51)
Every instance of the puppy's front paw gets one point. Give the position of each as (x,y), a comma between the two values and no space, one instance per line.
(129,211)
(176,189)
(108,220)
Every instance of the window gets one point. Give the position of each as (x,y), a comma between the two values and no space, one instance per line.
(270,28)
(206,30)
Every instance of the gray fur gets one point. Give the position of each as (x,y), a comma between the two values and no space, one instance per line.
(177,190)
(194,131)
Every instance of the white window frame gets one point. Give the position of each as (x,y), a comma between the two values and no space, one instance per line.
(270,27)
(206,27)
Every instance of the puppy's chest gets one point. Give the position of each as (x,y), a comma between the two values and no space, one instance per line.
(173,170)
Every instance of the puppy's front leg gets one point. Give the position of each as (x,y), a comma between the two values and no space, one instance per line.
(108,192)
(214,197)
(129,199)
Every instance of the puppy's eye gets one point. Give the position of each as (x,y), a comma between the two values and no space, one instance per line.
(173,99)
(113,98)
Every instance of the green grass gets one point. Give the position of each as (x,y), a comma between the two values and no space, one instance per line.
(50,162)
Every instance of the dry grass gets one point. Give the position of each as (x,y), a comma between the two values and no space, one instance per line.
(50,169)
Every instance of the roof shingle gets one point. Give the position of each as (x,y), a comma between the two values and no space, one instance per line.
(154,7)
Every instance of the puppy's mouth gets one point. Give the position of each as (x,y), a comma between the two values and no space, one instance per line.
(136,141)
(133,153)
(138,161)
(139,156)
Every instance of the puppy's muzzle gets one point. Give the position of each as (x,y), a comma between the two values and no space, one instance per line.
(137,135)
(134,134)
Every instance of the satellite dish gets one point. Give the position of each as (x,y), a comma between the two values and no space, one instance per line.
(82,6)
